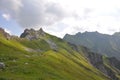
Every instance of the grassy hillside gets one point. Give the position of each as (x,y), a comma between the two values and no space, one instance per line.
(45,63)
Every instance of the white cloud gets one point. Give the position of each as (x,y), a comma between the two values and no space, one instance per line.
(32,13)
(6,16)
(65,16)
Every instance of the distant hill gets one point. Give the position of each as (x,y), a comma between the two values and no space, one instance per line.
(37,55)
(104,44)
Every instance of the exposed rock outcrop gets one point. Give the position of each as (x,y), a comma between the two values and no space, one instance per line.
(97,61)
(32,34)
(52,45)
(2,65)
(5,34)
(114,62)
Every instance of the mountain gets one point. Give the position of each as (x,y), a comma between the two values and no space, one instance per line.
(37,55)
(32,34)
(104,44)
(4,34)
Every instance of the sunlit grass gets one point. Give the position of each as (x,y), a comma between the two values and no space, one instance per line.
(64,64)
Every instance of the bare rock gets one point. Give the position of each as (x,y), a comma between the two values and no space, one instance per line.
(2,65)
(32,34)
(52,44)
(5,34)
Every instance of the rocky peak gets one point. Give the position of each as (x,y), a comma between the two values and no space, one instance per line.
(32,34)
(96,33)
(116,34)
(66,35)
(2,30)
(4,34)
(41,32)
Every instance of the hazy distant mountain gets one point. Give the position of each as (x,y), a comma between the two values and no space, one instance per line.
(101,43)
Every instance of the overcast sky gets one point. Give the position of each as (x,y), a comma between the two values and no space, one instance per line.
(59,17)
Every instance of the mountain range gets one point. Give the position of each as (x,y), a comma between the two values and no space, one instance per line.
(37,55)
(104,44)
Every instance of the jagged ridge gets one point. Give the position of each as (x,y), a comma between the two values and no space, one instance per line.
(101,43)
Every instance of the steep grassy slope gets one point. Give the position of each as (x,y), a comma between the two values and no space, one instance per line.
(24,61)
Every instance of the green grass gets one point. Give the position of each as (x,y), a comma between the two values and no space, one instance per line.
(36,44)
(64,64)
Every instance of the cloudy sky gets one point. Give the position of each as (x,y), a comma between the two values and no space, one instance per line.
(59,17)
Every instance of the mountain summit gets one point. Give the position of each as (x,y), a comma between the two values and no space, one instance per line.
(32,34)
(4,34)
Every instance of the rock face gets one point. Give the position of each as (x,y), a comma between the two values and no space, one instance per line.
(52,45)
(100,43)
(98,62)
(114,62)
(4,34)
(2,65)
(32,34)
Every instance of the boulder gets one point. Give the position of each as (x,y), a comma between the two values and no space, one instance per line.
(2,65)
